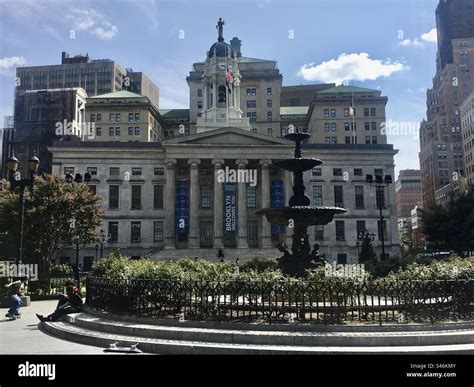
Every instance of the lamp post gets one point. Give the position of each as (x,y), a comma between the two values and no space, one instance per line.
(15,179)
(380,182)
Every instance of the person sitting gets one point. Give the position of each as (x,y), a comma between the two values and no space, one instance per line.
(71,303)
(14,292)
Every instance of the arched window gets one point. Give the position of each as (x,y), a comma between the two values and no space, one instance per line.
(221,95)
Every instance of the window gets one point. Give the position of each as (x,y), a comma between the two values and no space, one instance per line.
(333,113)
(333,127)
(117,131)
(269,103)
(367,139)
(348,140)
(326,113)
(206,196)
(359,197)
(111,131)
(337,172)
(199,92)
(270,131)
(252,116)
(347,126)
(317,195)
(269,91)
(158,230)
(130,130)
(346,112)
(316,171)
(373,112)
(131,116)
(98,117)
(380,198)
(159,171)
(136,171)
(158,197)
(117,117)
(341,259)
(283,132)
(199,104)
(358,172)
(338,196)
(360,228)
(111,117)
(340,230)
(113,196)
(114,171)
(333,140)
(136,231)
(384,224)
(92,117)
(366,112)
(318,233)
(269,116)
(373,125)
(98,132)
(354,126)
(137,116)
(136,197)
(251,91)
(253,130)
(92,170)
(374,139)
(69,170)
(113,232)
(137,130)
(327,127)
(367,125)
(251,103)
(251,196)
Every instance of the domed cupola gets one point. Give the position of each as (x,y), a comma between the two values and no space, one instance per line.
(221,49)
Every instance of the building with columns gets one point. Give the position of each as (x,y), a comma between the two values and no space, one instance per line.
(197,190)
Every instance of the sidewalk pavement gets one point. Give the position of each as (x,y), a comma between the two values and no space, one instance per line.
(22,336)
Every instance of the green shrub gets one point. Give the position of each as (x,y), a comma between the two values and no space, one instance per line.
(259,265)
(449,269)
(65,268)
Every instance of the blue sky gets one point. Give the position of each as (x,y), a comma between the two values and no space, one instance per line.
(385,44)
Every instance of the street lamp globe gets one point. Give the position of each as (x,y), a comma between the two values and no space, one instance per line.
(12,163)
(33,163)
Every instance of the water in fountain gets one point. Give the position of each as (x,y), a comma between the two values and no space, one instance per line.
(299,210)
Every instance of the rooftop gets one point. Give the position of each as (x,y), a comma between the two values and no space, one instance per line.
(119,94)
(347,89)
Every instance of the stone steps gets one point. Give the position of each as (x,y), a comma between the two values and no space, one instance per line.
(180,339)
(231,255)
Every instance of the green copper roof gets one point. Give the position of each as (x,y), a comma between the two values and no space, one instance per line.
(293,110)
(347,89)
(119,94)
(174,113)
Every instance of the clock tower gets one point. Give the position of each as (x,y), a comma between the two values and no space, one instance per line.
(221,88)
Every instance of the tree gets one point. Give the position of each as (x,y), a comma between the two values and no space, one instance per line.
(367,252)
(451,228)
(56,213)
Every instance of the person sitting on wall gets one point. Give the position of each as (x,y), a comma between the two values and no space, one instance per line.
(72,304)
(220,254)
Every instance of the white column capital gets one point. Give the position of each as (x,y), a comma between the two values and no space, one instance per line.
(265,163)
(170,163)
(241,163)
(218,163)
(194,162)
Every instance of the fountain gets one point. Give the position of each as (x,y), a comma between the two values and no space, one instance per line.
(301,212)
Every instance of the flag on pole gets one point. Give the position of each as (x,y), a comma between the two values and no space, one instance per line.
(351,111)
(229,79)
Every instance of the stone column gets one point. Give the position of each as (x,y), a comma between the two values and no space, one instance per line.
(205,91)
(266,237)
(194,203)
(218,205)
(242,209)
(170,198)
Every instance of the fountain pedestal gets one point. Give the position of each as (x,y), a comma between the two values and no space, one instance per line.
(301,213)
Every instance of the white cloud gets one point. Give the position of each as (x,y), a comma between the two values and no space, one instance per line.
(93,22)
(431,37)
(9,62)
(357,67)
(428,37)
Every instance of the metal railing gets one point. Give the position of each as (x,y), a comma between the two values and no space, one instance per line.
(325,302)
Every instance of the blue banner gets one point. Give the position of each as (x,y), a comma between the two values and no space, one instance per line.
(277,200)
(182,207)
(230,208)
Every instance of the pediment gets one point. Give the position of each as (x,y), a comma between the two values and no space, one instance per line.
(227,136)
